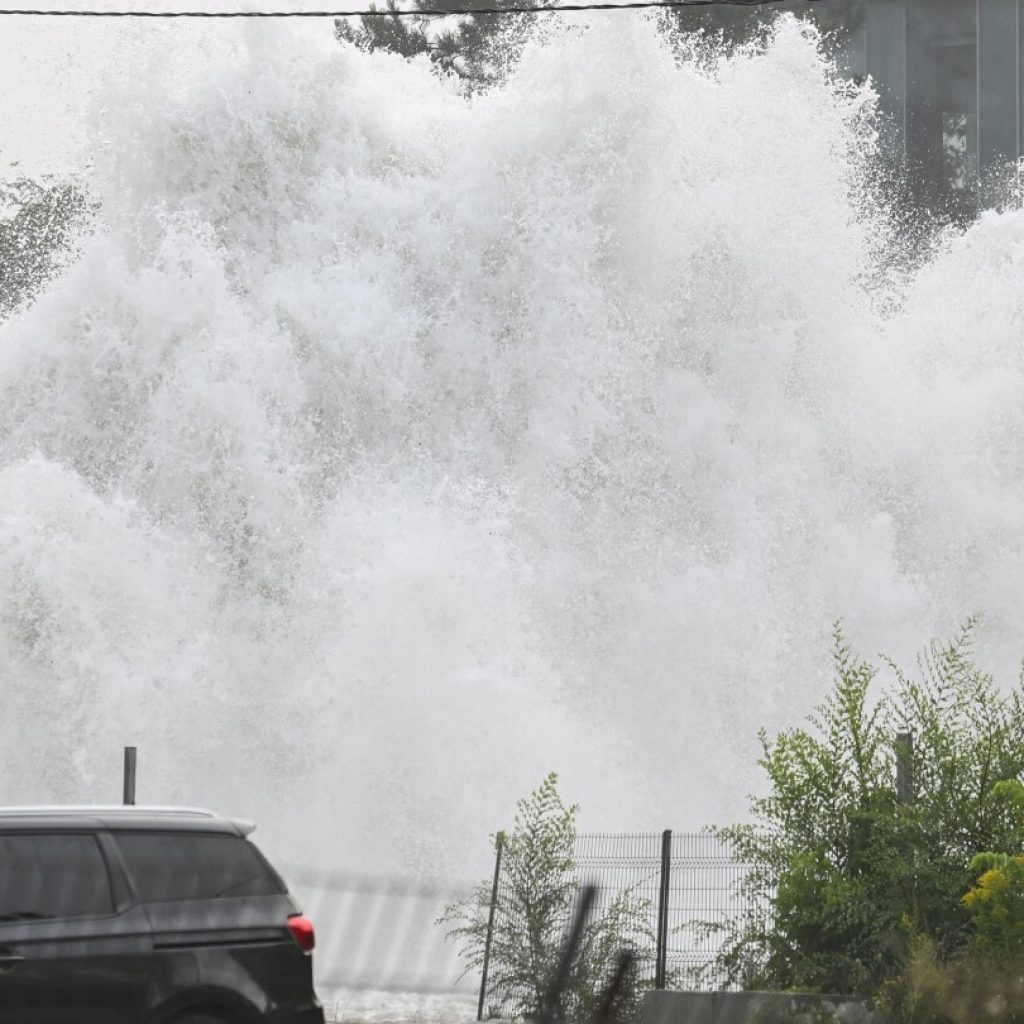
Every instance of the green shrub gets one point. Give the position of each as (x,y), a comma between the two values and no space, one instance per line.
(968,987)
(996,905)
(540,883)
(844,874)
(983,980)
(995,901)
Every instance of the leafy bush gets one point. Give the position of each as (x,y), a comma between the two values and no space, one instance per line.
(844,873)
(985,979)
(995,901)
(996,905)
(540,884)
(966,988)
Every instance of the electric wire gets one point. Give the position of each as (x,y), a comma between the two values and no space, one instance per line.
(374,12)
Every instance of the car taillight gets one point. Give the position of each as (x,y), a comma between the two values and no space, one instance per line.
(302,932)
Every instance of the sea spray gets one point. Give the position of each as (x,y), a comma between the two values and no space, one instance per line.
(389,447)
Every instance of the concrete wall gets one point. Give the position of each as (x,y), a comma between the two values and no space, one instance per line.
(752,1008)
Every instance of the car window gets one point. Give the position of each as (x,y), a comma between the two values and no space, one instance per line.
(193,866)
(47,876)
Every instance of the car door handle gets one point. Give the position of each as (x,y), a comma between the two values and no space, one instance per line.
(8,961)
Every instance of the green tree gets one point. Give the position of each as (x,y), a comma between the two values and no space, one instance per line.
(476,47)
(843,872)
(539,885)
(731,26)
(39,222)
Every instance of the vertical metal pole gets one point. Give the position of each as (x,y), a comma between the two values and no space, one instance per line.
(661,956)
(905,767)
(499,845)
(129,775)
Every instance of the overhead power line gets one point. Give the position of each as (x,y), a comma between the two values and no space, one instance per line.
(374,12)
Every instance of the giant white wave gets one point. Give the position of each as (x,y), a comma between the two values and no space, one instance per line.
(389,447)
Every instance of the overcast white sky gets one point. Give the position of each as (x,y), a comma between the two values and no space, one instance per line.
(49,69)
(52,68)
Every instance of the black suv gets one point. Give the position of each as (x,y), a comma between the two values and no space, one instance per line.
(146,916)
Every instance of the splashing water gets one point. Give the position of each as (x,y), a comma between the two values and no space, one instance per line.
(387,449)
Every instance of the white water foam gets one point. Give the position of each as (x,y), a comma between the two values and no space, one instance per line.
(387,449)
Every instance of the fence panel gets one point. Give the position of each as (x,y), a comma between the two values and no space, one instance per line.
(379,935)
(702,888)
(704,881)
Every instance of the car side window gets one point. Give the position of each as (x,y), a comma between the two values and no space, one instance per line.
(167,866)
(52,876)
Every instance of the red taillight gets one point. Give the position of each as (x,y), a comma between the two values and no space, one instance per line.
(302,932)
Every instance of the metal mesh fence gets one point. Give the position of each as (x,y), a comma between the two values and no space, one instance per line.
(379,936)
(697,875)
(703,888)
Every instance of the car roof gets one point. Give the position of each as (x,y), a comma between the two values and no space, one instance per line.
(119,817)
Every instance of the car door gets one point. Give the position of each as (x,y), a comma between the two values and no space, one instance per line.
(68,953)
(212,897)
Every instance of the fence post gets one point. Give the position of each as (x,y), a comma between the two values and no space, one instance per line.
(499,845)
(661,957)
(129,775)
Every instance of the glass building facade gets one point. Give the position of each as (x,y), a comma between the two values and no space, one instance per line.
(950,77)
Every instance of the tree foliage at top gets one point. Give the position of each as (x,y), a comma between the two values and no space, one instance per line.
(732,26)
(478,48)
(539,887)
(39,222)
(844,874)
